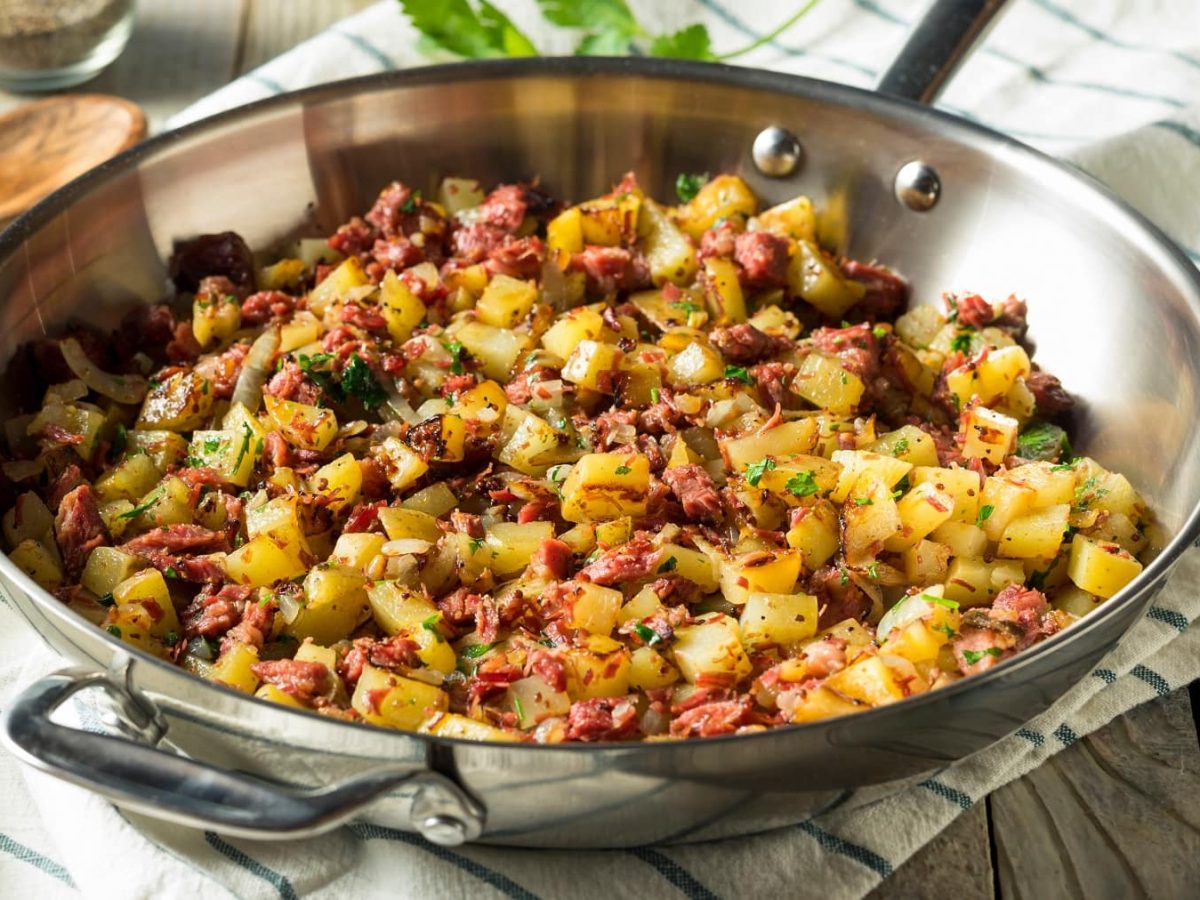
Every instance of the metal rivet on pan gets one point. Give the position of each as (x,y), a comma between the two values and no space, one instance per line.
(918,186)
(444,830)
(777,152)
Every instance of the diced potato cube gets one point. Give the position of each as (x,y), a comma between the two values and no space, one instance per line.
(908,443)
(295,335)
(1100,568)
(401,524)
(215,319)
(339,480)
(28,518)
(181,403)
(778,619)
(234,668)
(512,544)
(928,562)
(723,291)
(1035,535)
(963,538)
(383,698)
(148,589)
(357,549)
(506,301)
(533,699)
(403,465)
(610,220)
(816,534)
(823,382)
(336,285)
(32,558)
(534,445)
(921,510)
(167,504)
(401,308)
(232,454)
(759,572)
(446,435)
(133,477)
(822,703)
(496,348)
(1001,501)
(869,680)
(279,519)
(165,448)
(452,725)
(593,365)
(600,670)
(788,439)
(711,652)
(605,486)
(724,197)
(260,562)
(990,378)
(396,608)
(962,484)
(571,328)
(698,364)
(483,406)
(1050,484)
(335,601)
(794,219)
(989,435)
(107,567)
(649,669)
(644,604)
(669,254)
(565,231)
(870,518)
(595,609)
(972,582)
(856,463)
(818,282)
(304,426)
(1076,601)
(436,500)
(693,565)
(457,194)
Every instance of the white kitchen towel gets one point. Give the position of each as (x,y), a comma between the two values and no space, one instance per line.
(1107,83)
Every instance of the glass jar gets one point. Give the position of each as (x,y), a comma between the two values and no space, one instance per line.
(51,44)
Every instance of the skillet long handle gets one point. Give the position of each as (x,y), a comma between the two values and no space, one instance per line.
(164,785)
(939,44)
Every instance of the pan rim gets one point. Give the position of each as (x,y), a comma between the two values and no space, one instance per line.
(14,236)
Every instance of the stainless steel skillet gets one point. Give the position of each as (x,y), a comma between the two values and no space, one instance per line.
(1115,311)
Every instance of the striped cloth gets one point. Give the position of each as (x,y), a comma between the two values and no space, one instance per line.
(1105,83)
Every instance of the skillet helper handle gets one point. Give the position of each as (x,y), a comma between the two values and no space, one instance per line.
(941,42)
(163,785)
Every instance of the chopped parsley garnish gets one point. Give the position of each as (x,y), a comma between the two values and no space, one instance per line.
(477,650)
(245,448)
(880,332)
(802,484)
(431,625)
(901,446)
(410,204)
(844,579)
(873,571)
(687,306)
(1089,491)
(455,349)
(944,628)
(654,395)
(845,378)
(358,381)
(974,656)
(106,599)
(941,601)
(1038,579)
(518,707)
(755,471)
(863,501)
(622,470)
(114,630)
(738,373)
(212,445)
(170,572)
(120,439)
(648,635)
(1043,441)
(688,186)
(476,544)
(985,513)
(962,342)
(171,638)
(668,565)
(151,499)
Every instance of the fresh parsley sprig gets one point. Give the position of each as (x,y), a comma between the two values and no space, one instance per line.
(475,29)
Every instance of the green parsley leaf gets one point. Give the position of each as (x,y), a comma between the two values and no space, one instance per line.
(692,42)
(755,471)
(520,710)
(212,445)
(120,440)
(844,579)
(687,306)
(431,625)
(654,395)
(476,545)
(863,501)
(245,448)
(668,565)
(170,572)
(974,656)
(648,635)
(985,513)
(944,628)
(1038,579)
(106,599)
(688,186)
(477,650)
(1043,441)
(410,205)
(963,342)
(151,498)
(622,470)
(358,381)
(171,638)
(901,446)
(802,484)
(738,373)
(476,31)
(941,601)
(455,349)
(114,631)
(880,332)
(873,571)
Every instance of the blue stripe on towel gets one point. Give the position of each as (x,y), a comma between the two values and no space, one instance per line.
(1151,678)
(1168,616)
(842,847)
(251,865)
(954,795)
(38,860)
(674,873)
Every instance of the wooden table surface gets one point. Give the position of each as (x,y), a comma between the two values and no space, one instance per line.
(1116,815)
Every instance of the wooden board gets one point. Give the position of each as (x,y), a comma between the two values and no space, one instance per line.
(956,864)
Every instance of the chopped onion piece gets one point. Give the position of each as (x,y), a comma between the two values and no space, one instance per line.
(248,390)
(289,605)
(20,469)
(405,546)
(554,285)
(122,388)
